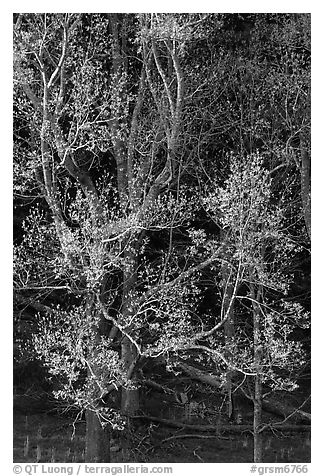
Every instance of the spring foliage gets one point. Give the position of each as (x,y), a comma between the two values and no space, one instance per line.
(115,120)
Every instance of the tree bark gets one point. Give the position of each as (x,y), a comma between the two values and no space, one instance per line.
(305,185)
(201,376)
(229,329)
(129,354)
(97,440)
(97,436)
(257,399)
(257,420)
(130,396)
(125,182)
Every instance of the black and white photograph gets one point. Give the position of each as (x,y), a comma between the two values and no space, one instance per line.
(161,239)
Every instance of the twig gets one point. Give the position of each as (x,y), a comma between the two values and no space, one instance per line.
(197,455)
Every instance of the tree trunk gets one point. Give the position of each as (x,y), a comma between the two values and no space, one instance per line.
(125,182)
(257,400)
(97,437)
(197,374)
(229,329)
(130,396)
(257,420)
(305,185)
(220,428)
(97,440)
(129,399)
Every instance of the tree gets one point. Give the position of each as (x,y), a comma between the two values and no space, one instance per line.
(260,82)
(258,254)
(79,103)
(115,118)
(265,105)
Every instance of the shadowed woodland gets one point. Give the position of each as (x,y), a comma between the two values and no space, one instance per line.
(161,237)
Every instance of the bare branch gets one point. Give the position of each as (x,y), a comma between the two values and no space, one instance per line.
(62,58)
(121,328)
(220,356)
(163,77)
(132,135)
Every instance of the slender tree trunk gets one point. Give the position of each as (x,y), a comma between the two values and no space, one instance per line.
(229,328)
(257,420)
(125,181)
(305,185)
(130,396)
(97,440)
(97,437)
(257,400)
(229,325)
